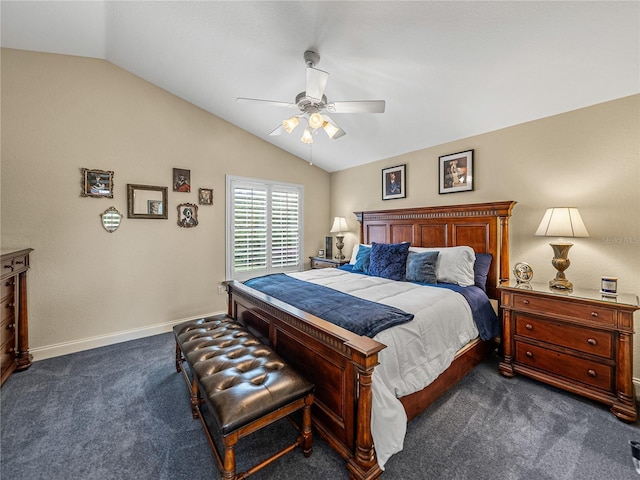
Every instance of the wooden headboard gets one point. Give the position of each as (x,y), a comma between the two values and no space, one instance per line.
(482,226)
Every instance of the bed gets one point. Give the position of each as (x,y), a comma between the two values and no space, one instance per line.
(341,363)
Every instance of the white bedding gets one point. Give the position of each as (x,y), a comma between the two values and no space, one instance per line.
(417,351)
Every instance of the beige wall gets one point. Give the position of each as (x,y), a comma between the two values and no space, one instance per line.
(89,287)
(589,158)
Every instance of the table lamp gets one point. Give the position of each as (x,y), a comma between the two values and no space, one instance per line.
(561,222)
(339,226)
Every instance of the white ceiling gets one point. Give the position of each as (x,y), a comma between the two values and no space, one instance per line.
(447,70)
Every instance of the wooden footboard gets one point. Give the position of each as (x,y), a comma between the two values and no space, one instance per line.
(338,362)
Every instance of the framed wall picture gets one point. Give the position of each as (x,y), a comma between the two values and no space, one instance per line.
(456,172)
(187,215)
(96,183)
(393,182)
(181,180)
(205,196)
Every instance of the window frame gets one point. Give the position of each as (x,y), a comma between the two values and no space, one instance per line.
(232,182)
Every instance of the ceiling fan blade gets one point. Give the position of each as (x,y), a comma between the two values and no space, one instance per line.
(277,131)
(316,83)
(335,132)
(266,102)
(361,106)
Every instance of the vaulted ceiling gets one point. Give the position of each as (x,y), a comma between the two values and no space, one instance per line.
(447,70)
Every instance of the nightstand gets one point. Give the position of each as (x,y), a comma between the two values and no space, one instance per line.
(322,262)
(579,341)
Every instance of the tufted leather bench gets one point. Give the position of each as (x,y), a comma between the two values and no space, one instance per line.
(243,383)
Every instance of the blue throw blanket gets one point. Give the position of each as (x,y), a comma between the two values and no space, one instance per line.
(357,315)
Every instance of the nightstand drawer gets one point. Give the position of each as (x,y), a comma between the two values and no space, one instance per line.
(571,309)
(321,264)
(585,340)
(573,368)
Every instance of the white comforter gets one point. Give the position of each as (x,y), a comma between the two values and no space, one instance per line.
(417,351)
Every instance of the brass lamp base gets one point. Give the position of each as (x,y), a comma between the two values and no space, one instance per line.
(561,263)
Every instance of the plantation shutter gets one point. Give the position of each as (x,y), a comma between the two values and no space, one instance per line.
(264,228)
(285,229)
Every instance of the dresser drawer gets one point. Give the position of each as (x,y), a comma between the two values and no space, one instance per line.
(7,287)
(7,330)
(7,356)
(541,305)
(7,309)
(573,368)
(585,340)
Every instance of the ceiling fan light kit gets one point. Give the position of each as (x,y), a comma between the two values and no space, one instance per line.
(313,105)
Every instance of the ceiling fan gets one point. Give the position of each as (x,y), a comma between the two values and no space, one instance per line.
(314,106)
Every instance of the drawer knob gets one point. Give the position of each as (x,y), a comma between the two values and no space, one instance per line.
(592,373)
(11,326)
(592,341)
(594,314)
(529,354)
(528,326)
(525,301)
(9,305)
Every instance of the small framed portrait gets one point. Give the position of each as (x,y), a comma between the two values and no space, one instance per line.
(154,207)
(393,182)
(321,253)
(181,180)
(187,215)
(205,196)
(456,172)
(96,183)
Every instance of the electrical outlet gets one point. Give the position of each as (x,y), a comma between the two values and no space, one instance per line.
(221,290)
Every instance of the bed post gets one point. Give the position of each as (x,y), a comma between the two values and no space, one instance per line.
(364,465)
(504,248)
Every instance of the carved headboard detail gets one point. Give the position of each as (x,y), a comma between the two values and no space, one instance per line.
(482,226)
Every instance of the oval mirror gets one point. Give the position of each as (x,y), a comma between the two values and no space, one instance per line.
(146,201)
(111,218)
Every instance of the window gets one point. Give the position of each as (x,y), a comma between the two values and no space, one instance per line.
(264,227)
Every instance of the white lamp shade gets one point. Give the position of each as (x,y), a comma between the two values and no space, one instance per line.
(562,222)
(339,225)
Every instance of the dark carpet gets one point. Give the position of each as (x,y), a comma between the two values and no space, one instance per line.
(122,412)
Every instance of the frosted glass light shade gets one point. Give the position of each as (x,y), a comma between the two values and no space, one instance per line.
(315,120)
(290,124)
(306,136)
(562,222)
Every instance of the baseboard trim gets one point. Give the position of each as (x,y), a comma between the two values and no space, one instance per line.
(65,348)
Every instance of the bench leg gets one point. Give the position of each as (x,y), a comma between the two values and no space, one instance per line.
(229,472)
(178,358)
(306,426)
(195,399)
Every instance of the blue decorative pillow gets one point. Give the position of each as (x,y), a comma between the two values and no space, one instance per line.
(389,260)
(421,267)
(362,259)
(481,269)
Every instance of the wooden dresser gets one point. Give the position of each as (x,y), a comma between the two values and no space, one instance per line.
(579,341)
(14,330)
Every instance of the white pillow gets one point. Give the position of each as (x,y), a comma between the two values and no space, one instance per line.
(354,253)
(454,265)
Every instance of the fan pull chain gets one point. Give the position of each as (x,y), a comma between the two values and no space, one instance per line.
(310,154)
